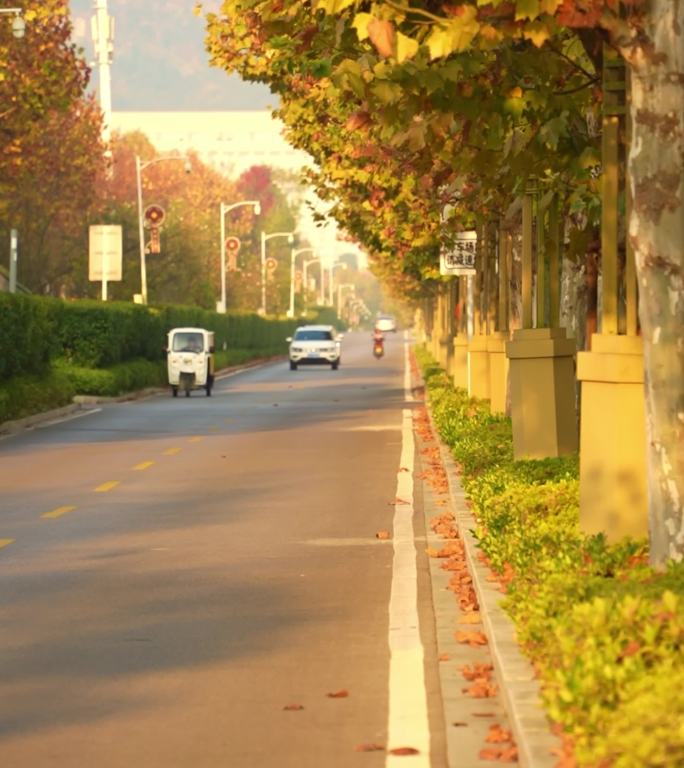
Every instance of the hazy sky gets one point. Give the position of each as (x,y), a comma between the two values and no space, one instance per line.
(159,59)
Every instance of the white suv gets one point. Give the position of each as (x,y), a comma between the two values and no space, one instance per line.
(315,345)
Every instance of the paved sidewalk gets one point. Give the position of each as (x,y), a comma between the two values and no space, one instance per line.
(517,704)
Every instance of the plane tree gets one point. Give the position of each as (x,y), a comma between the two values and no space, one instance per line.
(406,106)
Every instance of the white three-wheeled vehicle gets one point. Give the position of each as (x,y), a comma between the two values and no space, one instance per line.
(190,360)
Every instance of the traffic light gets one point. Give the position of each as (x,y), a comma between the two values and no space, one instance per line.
(155,243)
(154,216)
(232,247)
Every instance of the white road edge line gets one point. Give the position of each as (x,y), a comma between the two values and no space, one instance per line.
(70,417)
(408,722)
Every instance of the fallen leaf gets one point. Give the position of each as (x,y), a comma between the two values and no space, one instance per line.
(498,735)
(293,707)
(459,725)
(383,535)
(484,714)
(507,755)
(404,469)
(471,638)
(481,689)
(404,751)
(470,618)
(338,694)
(477,671)
(444,657)
(490,753)
(369,748)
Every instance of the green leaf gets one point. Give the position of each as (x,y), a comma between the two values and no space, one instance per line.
(526,9)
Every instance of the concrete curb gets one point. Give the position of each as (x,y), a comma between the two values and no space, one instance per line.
(519,687)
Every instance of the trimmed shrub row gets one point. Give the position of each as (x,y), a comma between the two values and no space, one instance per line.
(90,334)
(604,630)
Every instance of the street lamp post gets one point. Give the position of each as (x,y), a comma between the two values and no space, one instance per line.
(305,266)
(264,238)
(139,168)
(224,210)
(333,267)
(340,288)
(18,23)
(293,257)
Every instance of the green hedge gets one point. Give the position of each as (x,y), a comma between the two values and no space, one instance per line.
(27,341)
(90,334)
(25,395)
(604,631)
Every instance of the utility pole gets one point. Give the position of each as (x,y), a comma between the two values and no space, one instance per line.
(102,30)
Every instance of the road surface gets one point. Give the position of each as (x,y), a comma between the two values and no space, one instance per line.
(184,581)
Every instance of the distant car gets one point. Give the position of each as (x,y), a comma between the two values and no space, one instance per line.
(386,323)
(315,345)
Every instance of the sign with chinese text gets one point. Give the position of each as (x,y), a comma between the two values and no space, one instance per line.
(460,259)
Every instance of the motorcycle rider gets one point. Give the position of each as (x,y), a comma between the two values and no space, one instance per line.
(378,341)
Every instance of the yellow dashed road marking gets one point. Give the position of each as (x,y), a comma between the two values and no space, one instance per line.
(194,439)
(171,451)
(106,486)
(143,465)
(59,512)
(5,542)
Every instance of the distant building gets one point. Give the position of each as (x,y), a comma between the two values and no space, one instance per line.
(230,142)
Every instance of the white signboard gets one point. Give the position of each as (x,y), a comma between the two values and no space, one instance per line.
(105,252)
(460,260)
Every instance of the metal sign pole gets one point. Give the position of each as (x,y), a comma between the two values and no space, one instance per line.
(105,269)
(14,237)
(223,259)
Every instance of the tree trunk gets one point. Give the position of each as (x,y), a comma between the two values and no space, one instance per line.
(656,231)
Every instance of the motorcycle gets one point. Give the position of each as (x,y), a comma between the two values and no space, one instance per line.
(378,347)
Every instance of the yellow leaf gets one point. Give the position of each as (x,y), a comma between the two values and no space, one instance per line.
(406,47)
(549,6)
(456,35)
(537,32)
(360,24)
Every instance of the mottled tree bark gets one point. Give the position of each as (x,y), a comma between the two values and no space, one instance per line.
(656,231)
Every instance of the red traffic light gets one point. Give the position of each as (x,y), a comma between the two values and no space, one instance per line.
(154,215)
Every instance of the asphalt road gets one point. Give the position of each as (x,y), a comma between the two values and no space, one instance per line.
(175,573)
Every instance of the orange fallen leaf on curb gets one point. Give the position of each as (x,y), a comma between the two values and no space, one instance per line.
(481,689)
(338,694)
(470,618)
(369,748)
(293,707)
(403,751)
(398,501)
(477,671)
(507,755)
(471,638)
(404,469)
(383,535)
(498,735)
